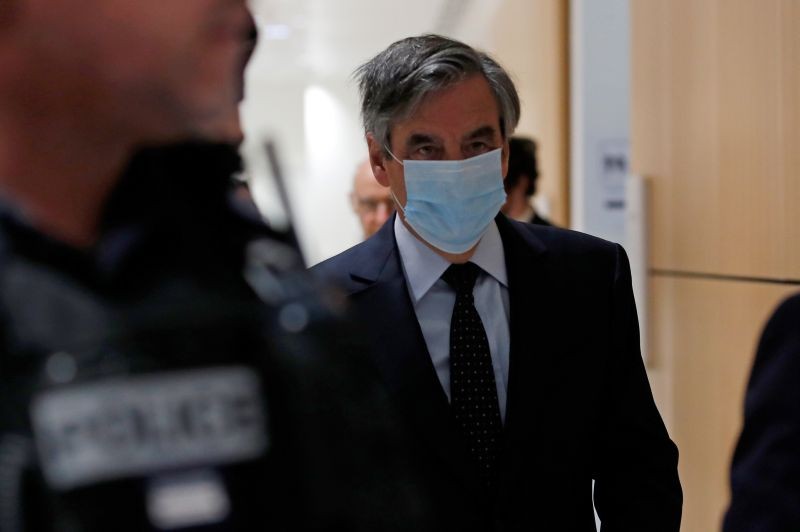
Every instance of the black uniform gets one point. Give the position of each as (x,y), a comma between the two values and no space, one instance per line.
(765,474)
(180,375)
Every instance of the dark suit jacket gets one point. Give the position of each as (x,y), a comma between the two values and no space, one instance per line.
(765,478)
(538,220)
(579,403)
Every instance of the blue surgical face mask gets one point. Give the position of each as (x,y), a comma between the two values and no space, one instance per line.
(450,204)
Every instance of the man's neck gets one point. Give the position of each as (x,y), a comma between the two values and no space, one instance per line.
(59,177)
(525,213)
(518,207)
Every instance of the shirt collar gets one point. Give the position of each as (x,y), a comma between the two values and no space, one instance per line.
(423,267)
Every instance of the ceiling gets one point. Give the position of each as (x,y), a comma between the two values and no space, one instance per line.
(312,40)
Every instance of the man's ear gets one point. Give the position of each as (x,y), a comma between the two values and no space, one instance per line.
(377,160)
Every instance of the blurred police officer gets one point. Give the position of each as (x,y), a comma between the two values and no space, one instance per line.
(160,367)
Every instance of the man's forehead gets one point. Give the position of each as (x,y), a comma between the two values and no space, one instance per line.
(464,110)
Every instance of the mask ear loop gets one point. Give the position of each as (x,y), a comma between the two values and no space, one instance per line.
(385,147)
(391,192)
(397,203)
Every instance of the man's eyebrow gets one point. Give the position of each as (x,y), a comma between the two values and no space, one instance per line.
(420,138)
(483,131)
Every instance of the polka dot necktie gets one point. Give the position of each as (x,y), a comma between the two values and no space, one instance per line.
(473,394)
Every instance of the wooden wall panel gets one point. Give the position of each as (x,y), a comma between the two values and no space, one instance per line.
(703,342)
(716,125)
(531,41)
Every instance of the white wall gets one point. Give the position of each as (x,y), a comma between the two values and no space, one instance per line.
(600,99)
(319,141)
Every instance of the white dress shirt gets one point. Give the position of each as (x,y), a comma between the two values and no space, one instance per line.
(434,300)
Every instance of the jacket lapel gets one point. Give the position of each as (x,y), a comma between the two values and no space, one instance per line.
(380,291)
(530,296)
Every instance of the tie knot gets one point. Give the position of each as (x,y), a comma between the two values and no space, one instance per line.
(461,277)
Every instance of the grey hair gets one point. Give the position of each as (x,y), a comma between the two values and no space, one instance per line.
(394,82)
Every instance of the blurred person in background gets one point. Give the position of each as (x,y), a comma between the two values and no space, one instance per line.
(370,201)
(515,408)
(162,364)
(765,475)
(520,183)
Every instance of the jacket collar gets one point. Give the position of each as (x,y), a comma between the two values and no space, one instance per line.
(373,256)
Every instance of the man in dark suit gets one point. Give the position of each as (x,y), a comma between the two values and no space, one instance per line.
(765,477)
(520,182)
(516,410)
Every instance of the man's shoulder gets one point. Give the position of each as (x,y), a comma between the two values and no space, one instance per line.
(338,264)
(788,311)
(780,341)
(570,256)
(362,260)
(365,260)
(563,244)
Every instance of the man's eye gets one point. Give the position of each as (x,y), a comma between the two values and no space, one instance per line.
(368,204)
(479,147)
(425,152)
